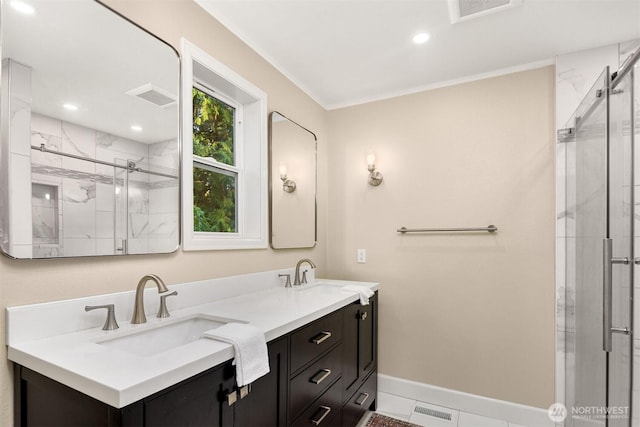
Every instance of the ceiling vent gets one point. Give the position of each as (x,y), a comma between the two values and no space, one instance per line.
(153,94)
(463,10)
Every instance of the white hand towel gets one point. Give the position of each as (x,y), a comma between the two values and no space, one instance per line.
(365,292)
(252,357)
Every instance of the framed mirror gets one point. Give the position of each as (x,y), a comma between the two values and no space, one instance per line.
(292,184)
(89,145)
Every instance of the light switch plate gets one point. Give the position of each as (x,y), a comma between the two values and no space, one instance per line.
(362,256)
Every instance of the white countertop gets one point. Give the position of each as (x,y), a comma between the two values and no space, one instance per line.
(120,378)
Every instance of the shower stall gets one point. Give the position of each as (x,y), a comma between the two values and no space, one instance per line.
(600,249)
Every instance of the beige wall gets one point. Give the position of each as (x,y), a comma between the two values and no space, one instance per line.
(23,282)
(470,312)
(467,312)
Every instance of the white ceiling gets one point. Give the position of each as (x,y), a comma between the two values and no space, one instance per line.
(345,52)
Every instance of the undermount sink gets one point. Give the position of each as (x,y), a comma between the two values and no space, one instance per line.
(165,335)
(318,287)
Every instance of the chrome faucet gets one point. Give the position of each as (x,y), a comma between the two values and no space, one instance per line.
(296,280)
(138,308)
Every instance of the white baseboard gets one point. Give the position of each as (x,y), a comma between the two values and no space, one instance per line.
(466,402)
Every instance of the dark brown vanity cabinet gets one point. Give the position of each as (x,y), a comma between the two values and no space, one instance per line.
(196,401)
(333,367)
(207,399)
(323,374)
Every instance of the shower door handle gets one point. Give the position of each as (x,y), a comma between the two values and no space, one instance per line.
(607,292)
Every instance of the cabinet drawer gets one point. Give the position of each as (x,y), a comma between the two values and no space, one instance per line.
(361,400)
(314,339)
(314,380)
(324,411)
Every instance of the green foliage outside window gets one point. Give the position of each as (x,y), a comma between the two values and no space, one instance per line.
(214,193)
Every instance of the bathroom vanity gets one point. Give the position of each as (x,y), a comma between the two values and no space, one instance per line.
(322,353)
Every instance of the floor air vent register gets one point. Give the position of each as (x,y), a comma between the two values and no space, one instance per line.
(431,415)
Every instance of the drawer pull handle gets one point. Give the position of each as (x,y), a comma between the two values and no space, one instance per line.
(244,391)
(232,398)
(321,337)
(363,315)
(320,376)
(363,398)
(317,420)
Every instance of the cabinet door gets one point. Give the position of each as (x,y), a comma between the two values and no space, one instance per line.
(199,401)
(266,404)
(367,336)
(359,344)
(41,401)
(350,349)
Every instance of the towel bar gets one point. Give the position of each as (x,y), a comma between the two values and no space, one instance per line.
(490,228)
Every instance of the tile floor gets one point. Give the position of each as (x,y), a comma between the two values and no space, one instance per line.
(402,409)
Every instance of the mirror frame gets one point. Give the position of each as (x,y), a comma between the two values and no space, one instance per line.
(176,150)
(272,168)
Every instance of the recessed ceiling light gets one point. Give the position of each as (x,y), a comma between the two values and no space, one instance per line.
(136,128)
(420,38)
(70,107)
(23,7)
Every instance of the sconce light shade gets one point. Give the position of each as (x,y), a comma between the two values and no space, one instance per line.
(375,177)
(371,159)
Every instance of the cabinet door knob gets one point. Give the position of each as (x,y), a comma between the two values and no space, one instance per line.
(362,315)
(321,337)
(320,376)
(318,418)
(362,398)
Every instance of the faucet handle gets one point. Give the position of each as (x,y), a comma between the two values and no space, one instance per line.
(164,312)
(110,324)
(288,282)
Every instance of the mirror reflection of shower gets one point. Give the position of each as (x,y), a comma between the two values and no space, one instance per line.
(107,205)
(89,138)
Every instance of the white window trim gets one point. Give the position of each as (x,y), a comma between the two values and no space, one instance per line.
(251,153)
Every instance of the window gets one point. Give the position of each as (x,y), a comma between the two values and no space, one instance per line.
(224,179)
(215,174)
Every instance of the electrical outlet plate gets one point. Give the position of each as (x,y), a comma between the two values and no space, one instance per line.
(362,256)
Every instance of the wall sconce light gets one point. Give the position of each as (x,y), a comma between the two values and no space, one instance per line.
(375,177)
(288,185)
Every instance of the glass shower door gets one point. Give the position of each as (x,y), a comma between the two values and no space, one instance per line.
(599,202)
(621,228)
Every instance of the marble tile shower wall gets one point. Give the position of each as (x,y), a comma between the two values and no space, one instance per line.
(575,73)
(152,219)
(164,193)
(91,211)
